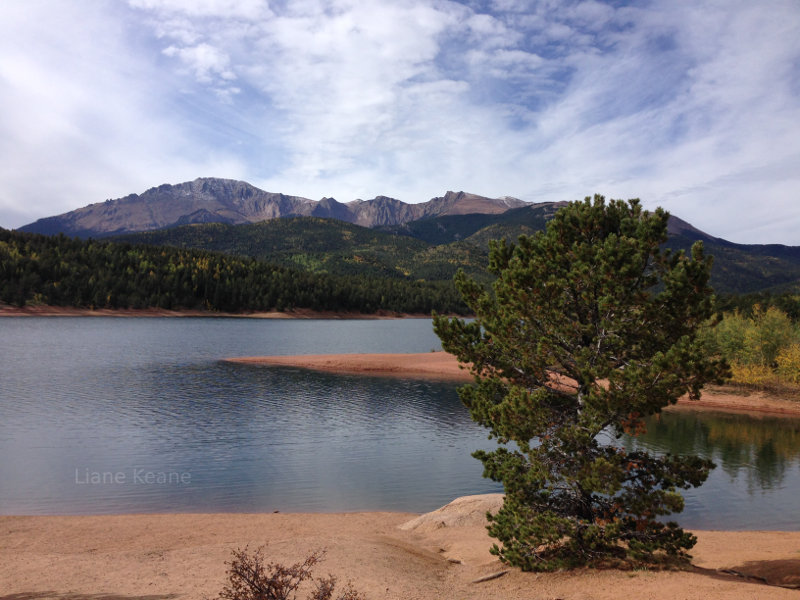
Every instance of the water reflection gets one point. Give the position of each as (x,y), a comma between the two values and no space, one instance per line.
(116,395)
(758,466)
(761,448)
(252,439)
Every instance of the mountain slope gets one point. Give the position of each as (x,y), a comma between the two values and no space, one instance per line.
(325,245)
(310,243)
(746,268)
(199,201)
(454,228)
(737,269)
(211,200)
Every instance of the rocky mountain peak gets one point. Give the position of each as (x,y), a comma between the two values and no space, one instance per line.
(211,199)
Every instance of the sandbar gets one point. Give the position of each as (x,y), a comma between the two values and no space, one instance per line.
(426,365)
(386,555)
(444,366)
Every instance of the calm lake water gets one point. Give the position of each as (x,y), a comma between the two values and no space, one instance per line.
(103,415)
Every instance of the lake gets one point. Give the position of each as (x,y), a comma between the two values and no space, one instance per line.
(110,415)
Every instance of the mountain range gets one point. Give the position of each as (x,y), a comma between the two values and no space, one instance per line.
(211,200)
(382,237)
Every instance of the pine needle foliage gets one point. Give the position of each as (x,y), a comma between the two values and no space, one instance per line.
(589,328)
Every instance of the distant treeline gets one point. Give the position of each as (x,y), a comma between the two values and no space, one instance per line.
(62,271)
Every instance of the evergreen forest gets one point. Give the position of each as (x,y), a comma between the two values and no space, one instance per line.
(61,271)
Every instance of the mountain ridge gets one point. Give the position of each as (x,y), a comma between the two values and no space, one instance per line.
(216,200)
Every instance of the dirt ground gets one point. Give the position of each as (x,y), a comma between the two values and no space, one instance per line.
(441,555)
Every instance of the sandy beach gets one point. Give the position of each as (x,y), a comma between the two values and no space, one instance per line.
(440,555)
(444,366)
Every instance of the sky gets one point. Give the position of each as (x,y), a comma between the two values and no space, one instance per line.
(689,105)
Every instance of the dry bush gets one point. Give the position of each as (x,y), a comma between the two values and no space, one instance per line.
(752,375)
(250,578)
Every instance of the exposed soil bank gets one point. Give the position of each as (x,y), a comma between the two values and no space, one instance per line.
(300,313)
(386,555)
(440,365)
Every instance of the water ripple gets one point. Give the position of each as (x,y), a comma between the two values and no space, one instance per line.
(128,398)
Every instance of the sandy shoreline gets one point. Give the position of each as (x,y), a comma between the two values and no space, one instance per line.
(386,555)
(300,313)
(443,366)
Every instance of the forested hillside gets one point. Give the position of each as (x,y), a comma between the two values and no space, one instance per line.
(327,246)
(746,268)
(434,249)
(307,243)
(60,271)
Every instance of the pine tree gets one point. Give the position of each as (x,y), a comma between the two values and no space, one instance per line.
(590,327)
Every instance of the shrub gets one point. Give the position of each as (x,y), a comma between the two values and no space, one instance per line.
(249,578)
(771,332)
(763,349)
(789,364)
(751,374)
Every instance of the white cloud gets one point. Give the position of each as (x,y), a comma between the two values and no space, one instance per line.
(692,105)
(591,15)
(83,115)
(238,9)
(207,62)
